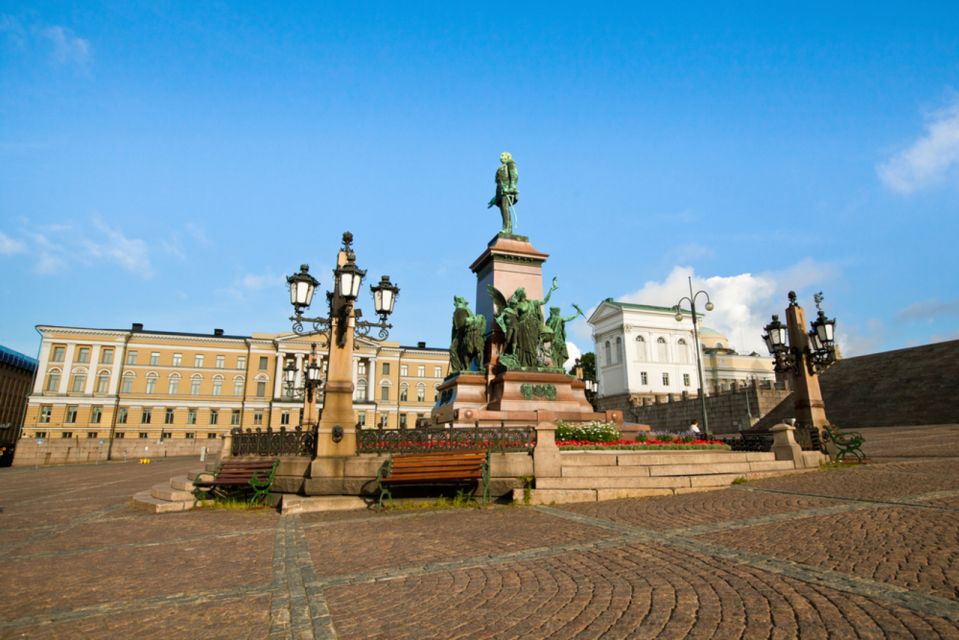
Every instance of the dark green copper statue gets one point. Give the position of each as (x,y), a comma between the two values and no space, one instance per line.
(467,339)
(558,352)
(507,193)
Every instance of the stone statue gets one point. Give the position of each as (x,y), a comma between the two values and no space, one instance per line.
(467,338)
(521,320)
(558,353)
(507,193)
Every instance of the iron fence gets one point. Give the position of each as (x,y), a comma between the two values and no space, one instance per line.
(296,442)
(439,439)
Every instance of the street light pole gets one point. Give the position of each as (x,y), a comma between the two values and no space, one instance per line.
(691,298)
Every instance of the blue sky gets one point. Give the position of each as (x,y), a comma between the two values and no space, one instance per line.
(169,163)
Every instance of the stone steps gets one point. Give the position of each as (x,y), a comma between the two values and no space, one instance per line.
(171,497)
(623,458)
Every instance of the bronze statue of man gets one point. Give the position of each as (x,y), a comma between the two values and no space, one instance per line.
(507,193)
(559,353)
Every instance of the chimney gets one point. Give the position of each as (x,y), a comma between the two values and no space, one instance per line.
(420,345)
(218,332)
(137,326)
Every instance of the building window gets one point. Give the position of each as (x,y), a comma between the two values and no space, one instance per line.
(214,416)
(241,362)
(103,382)
(174,384)
(235,417)
(238,386)
(168,418)
(177,359)
(421,371)
(420,393)
(119,435)
(641,348)
(437,372)
(217,385)
(83,355)
(257,418)
(151,383)
(386,368)
(195,382)
(404,370)
(643,378)
(39,435)
(402,421)
(361,419)
(681,351)
(264,363)
(131,357)
(165,435)
(685,379)
(285,418)
(404,392)
(198,361)
(95,413)
(127,386)
(53,380)
(45,412)
(665,379)
(147,416)
(191,416)
(122,415)
(360,367)
(143,435)
(66,434)
(71,416)
(619,349)
(436,392)
(260,389)
(383,420)
(91,435)
(359,395)
(106,356)
(385,392)
(58,354)
(79,381)
(662,350)
(189,435)
(220,361)
(211,436)
(609,353)
(154,359)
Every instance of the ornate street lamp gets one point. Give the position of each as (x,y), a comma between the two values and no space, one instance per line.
(691,298)
(819,351)
(343,321)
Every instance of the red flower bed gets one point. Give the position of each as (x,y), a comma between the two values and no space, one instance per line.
(620,443)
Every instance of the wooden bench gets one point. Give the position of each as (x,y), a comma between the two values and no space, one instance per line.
(237,475)
(849,442)
(442,467)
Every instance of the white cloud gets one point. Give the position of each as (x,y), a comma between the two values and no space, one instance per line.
(931,159)
(131,254)
(67,48)
(248,284)
(574,354)
(10,246)
(929,310)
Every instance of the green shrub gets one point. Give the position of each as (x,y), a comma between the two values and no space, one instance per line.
(587,431)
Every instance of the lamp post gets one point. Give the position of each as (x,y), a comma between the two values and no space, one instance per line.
(691,298)
(803,356)
(341,324)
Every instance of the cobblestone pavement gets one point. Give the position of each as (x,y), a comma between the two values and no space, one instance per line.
(867,552)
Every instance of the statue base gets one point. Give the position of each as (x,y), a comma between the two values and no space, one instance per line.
(513,399)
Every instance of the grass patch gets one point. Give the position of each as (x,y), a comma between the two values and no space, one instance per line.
(740,480)
(462,500)
(833,466)
(233,504)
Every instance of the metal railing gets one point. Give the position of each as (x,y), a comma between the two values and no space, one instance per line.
(296,442)
(495,439)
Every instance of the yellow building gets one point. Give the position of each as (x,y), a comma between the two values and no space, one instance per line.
(112,384)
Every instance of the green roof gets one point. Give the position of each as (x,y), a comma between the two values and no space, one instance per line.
(643,307)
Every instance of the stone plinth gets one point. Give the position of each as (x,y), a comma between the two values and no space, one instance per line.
(462,390)
(537,391)
(508,263)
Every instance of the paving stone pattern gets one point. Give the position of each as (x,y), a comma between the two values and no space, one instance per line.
(864,552)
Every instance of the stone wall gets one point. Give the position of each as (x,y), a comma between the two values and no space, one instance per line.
(82,450)
(728,411)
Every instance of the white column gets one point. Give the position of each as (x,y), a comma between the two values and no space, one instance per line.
(67,365)
(118,359)
(370,386)
(278,379)
(300,365)
(42,366)
(92,371)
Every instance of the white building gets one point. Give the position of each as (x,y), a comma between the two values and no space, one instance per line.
(643,352)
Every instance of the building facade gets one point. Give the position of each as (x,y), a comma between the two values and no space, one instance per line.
(111,385)
(644,354)
(16,378)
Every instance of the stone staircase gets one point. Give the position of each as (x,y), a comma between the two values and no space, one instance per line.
(175,495)
(588,476)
